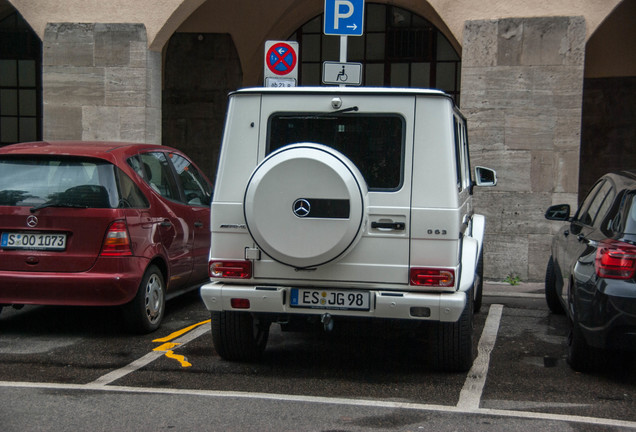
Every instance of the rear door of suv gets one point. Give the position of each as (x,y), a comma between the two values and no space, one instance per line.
(376,134)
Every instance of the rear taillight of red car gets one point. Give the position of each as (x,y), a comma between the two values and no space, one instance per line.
(117,240)
(615,260)
(230,269)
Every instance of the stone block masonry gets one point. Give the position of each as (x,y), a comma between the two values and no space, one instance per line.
(100,82)
(522,86)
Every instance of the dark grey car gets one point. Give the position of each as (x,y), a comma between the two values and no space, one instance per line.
(590,274)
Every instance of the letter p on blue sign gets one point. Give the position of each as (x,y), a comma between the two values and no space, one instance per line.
(344,17)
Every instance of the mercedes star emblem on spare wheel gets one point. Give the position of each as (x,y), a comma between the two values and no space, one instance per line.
(301,207)
(32,221)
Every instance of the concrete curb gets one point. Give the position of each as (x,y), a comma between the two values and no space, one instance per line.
(523,289)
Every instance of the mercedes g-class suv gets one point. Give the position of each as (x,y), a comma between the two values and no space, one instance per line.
(334,203)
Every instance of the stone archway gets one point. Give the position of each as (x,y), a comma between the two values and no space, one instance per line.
(200,69)
(399,48)
(608,131)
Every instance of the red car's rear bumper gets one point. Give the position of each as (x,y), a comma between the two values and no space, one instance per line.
(111,281)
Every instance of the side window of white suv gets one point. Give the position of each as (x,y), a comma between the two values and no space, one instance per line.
(461,154)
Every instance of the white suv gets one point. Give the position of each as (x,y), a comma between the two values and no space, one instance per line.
(335,203)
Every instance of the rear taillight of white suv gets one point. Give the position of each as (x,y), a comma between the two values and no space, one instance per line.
(117,240)
(230,269)
(615,260)
(432,277)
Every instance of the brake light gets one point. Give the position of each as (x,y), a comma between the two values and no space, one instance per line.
(117,240)
(432,277)
(231,269)
(615,260)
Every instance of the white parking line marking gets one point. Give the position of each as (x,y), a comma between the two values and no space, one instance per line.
(326,400)
(470,396)
(145,360)
(469,400)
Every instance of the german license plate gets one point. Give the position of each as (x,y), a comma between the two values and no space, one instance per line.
(329,299)
(33,241)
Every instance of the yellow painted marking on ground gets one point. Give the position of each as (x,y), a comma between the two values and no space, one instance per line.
(180,332)
(170,354)
(181,359)
(167,346)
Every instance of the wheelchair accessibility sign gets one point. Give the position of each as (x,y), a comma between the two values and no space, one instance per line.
(342,73)
(281,63)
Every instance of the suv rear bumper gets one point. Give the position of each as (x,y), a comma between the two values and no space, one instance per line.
(445,307)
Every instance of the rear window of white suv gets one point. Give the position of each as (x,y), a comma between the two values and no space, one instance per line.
(374,143)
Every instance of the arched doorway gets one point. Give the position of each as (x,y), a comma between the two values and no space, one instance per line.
(20,81)
(200,69)
(398,49)
(202,65)
(608,131)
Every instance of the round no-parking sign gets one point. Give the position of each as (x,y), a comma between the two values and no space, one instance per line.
(281,61)
(281,58)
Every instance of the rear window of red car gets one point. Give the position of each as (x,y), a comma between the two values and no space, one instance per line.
(63,181)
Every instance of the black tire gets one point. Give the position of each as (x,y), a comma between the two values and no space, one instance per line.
(479,289)
(239,336)
(453,342)
(551,295)
(145,312)
(581,356)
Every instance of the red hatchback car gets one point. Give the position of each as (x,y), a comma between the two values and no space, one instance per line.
(102,224)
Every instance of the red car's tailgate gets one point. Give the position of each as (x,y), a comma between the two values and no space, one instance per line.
(52,239)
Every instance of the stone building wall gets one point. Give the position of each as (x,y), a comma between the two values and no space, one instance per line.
(522,83)
(100,82)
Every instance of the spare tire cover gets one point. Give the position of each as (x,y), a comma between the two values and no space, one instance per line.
(305,205)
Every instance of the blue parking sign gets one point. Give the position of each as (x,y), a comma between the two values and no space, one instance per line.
(344,17)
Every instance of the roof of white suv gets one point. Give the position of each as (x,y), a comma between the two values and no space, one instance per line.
(356,90)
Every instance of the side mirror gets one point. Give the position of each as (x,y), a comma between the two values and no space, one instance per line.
(558,212)
(485,176)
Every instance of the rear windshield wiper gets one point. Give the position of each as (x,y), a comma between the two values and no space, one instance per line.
(344,110)
(57,204)
(320,115)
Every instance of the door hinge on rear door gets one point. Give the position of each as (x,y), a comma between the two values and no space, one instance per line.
(252,253)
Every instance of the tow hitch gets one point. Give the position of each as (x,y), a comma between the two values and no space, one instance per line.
(327,322)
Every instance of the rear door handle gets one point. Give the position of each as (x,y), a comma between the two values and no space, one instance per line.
(398,226)
(198,224)
(166,224)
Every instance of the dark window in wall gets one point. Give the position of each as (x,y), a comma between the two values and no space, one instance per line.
(397,49)
(20,82)
(608,129)
(200,69)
